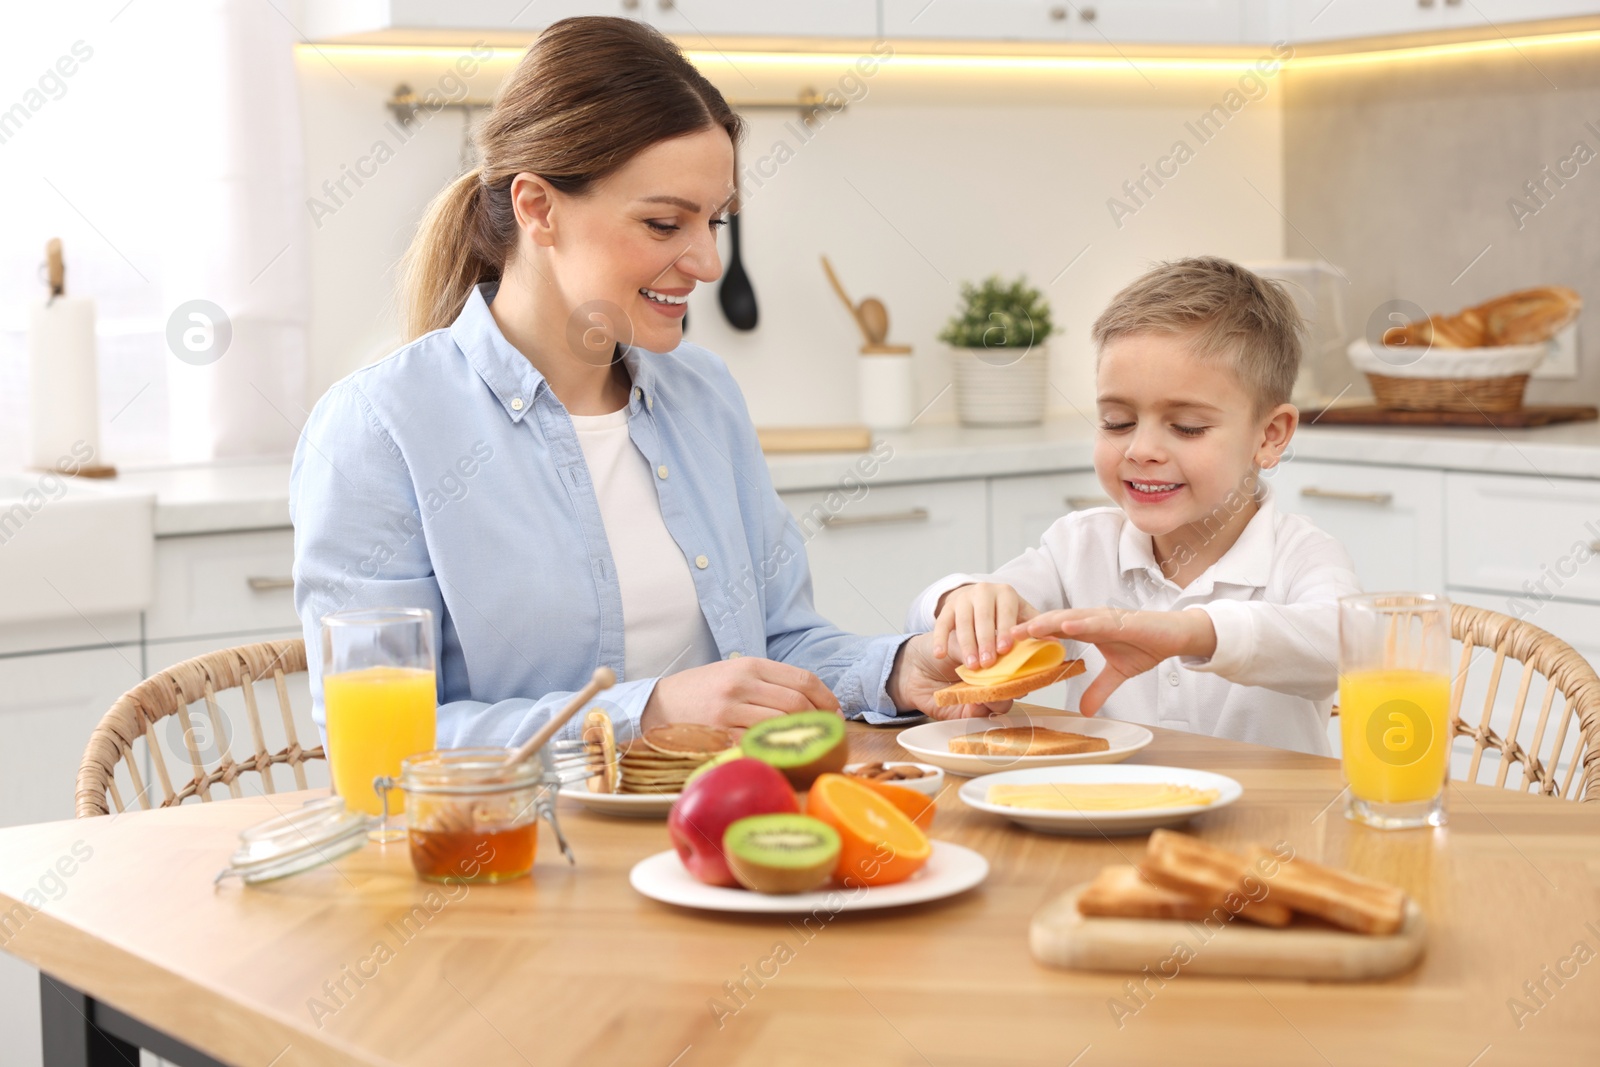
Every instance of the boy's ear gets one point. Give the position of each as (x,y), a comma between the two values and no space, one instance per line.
(1276,431)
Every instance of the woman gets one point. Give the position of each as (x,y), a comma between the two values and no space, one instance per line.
(533,469)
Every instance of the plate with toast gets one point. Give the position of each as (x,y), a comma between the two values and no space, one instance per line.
(1100,800)
(1018,740)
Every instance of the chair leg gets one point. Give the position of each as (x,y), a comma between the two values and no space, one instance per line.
(70,1038)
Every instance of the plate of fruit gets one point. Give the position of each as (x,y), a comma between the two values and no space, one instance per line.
(776,827)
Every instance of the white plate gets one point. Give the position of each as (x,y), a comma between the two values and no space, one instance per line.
(929,784)
(1094,824)
(950,870)
(630,805)
(930,742)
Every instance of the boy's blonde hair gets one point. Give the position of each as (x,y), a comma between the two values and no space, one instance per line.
(1228,313)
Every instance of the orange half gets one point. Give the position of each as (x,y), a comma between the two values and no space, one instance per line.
(918,807)
(879,844)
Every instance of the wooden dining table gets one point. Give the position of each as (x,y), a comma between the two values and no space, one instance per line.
(358,962)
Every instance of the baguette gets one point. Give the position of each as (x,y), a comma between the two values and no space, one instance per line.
(1343,899)
(1190,866)
(1120,892)
(1025,741)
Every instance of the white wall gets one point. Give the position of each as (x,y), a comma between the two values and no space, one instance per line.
(930,178)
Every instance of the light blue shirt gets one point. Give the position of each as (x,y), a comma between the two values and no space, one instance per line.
(449,477)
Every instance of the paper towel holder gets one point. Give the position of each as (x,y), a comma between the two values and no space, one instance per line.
(54,269)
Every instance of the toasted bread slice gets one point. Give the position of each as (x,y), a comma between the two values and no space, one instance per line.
(1190,866)
(1121,892)
(1021,685)
(1025,741)
(1343,899)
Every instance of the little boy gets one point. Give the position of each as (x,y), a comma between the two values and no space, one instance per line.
(1200,605)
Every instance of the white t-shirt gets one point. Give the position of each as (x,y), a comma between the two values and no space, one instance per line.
(664,630)
(1272,598)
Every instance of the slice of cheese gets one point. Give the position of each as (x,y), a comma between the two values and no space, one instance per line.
(1028,656)
(1109,796)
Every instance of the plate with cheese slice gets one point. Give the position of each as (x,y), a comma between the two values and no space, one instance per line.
(1018,739)
(1101,800)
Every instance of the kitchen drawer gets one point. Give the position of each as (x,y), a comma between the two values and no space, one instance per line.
(1390,519)
(1525,535)
(1022,508)
(223,584)
(872,554)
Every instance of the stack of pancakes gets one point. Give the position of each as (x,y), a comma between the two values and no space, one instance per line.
(658,761)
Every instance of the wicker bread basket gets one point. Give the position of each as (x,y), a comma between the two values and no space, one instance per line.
(1448,379)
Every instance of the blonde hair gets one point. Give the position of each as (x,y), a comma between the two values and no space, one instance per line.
(590,94)
(1227,312)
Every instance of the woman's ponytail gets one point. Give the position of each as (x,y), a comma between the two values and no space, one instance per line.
(566,114)
(447,257)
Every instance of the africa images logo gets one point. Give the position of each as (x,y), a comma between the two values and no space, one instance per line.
(1399,733)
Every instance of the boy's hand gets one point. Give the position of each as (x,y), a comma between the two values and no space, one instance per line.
(917,675)
(1132,642)
(981,616)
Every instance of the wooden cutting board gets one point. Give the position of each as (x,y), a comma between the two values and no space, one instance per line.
(1062,937)
(1372,415)
(814,438)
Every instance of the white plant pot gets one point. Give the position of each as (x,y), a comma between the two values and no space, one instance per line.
(1001,386)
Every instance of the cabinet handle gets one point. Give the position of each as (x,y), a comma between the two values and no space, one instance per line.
(1088,14)
(912,515)
(267,585)
(1337,494)
(1078,503)
(1058,13)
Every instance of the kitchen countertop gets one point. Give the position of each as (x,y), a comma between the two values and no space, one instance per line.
(237,495)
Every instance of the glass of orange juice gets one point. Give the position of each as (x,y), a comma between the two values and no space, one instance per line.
(1394,707)
(379,698)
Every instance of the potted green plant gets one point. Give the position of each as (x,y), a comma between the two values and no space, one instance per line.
(998,355)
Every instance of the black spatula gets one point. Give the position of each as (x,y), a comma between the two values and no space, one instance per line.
(737,298)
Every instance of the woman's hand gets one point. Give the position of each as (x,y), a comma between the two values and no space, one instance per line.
(1131,641)
(735,693)
(981,616)
(919,673)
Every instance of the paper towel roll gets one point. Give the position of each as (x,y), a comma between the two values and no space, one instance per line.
(63,381)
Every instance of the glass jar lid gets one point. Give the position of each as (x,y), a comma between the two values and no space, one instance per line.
(469,772)
(296,841)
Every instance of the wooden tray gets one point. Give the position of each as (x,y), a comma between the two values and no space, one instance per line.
(1372,415)
(1062,937)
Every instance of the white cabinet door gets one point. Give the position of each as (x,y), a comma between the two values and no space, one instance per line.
(1022,508)
(1390,519)
(1492,14)
(49,704)
(1328,20)
(230,583)
(870,556)
(734,18)
(1530,536)
(1083,21)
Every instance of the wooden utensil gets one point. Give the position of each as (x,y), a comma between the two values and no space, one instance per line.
(874,318)
(462,818)
(1063,937)
(855,312)
(55,268)
(814,438)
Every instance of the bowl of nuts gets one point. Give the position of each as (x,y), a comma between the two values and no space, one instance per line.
(923,777)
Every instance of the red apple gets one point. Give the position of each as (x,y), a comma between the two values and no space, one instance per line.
(715,800)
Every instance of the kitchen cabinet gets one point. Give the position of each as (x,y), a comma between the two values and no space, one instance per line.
(1094,21)
(432,22)
(870,556)
(1390,519)
(1529,536)
(223,583)
(1023,507)
(1320,20)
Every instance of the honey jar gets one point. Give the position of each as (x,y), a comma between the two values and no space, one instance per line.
(470,818)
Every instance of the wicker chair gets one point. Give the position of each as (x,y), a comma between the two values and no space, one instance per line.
(1564,671)
(170,693)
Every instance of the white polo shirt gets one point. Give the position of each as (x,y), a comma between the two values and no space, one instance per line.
(1272,598)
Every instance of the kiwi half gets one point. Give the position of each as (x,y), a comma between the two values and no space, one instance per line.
(781,853)
(802,746)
